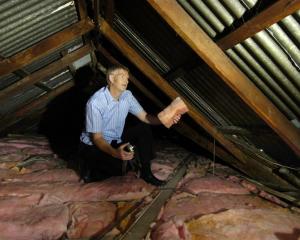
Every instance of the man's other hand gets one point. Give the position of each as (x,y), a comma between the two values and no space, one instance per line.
(123,154)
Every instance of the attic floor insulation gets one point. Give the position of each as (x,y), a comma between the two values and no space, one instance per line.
(40,198)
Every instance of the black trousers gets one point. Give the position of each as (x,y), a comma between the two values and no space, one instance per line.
(99,165)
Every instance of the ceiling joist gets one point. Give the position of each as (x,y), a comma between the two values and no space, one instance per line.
(198,40)
(45,46)
(49,70)
(273,14)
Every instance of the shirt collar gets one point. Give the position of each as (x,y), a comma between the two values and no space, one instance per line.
(109,97)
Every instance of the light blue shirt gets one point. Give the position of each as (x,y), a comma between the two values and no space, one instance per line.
(107,116)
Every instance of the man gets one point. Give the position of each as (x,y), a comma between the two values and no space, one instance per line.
(104,140)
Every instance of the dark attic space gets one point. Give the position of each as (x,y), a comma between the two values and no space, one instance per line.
(150,119)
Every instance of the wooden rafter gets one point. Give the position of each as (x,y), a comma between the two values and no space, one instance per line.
(195,37)
(243,162)
(33,106)
(44,72)
(182,128)
(45,46)
(271,15)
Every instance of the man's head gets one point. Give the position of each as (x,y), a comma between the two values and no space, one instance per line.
(112,70)
(117,77)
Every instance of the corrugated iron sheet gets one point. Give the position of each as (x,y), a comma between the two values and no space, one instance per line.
(20,99)
(44,61)
(271,60)
(59,79)
(141,45)
(7,80)
(25,22)
(30,93)
(205,90)
(213,15)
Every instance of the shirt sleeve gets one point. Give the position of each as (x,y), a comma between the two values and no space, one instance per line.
(135,107)
(94,118)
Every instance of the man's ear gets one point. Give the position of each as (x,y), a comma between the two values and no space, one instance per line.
(110,79)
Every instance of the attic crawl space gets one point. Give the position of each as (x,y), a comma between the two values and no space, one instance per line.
(228,167)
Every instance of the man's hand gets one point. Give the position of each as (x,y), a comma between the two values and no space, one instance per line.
(119,153)
(124,155)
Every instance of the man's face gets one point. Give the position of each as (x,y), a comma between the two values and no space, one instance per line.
(119,79)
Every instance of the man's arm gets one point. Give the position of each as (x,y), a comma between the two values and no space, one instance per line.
(154,120)
(119,152)
(149,119)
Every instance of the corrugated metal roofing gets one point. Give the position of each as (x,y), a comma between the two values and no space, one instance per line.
(44,61)
(271,60)
(205,89)
(20,99)
(213,15)
(7,80)
(58,79)
(15,102)
(25,22)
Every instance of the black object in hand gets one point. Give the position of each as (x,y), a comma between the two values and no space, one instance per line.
(129,148)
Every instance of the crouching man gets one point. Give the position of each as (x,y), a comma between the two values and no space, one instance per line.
(104,140)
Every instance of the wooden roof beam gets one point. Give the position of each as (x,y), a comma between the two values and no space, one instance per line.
(271,15)
(45,46)
(202,44)
(44,72)
(249,166)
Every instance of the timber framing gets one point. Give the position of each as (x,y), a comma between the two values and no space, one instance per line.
(248,165)
(195,37)
(45,46)
(272,15)
(44,72)
(182,128)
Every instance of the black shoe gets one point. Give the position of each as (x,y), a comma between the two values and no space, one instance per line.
(150,178)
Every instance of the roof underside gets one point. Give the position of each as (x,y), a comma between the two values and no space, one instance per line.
(186,72)
(269,58)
